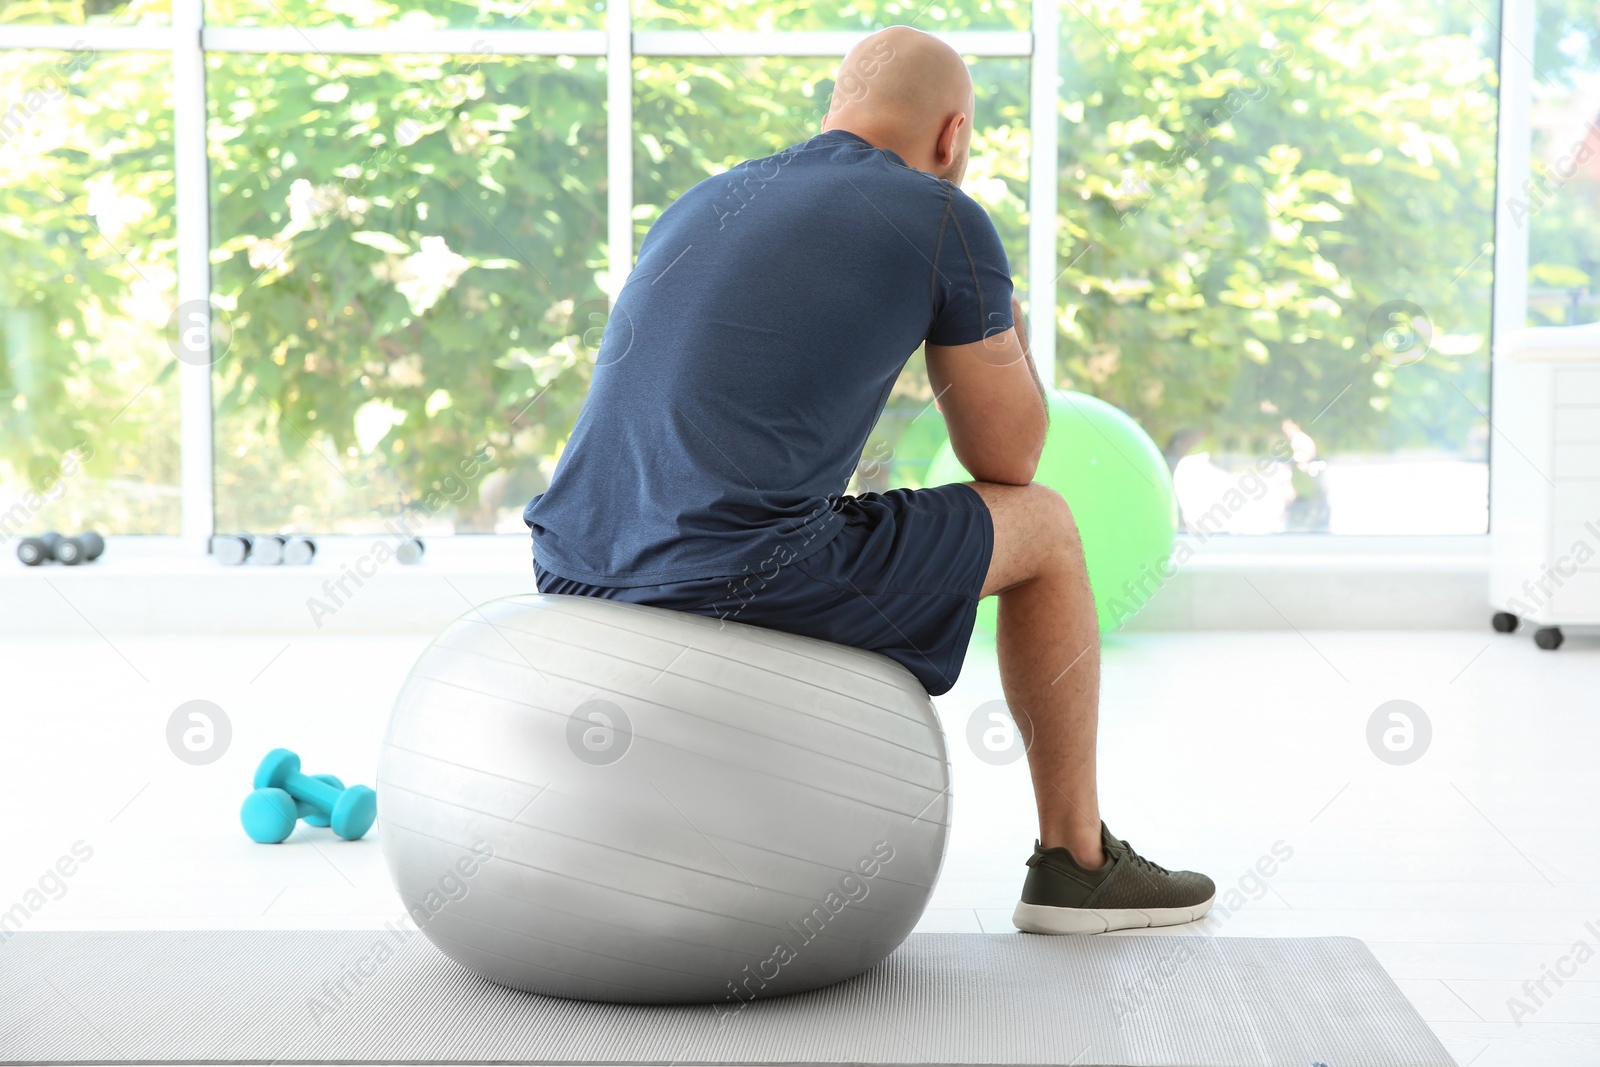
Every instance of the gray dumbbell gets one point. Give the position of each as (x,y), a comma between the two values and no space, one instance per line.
(232,549)
(298,551)
(33,551)
(266,550)
(410,550)
(85,548)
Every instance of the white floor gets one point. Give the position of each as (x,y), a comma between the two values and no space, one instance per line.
(1469,872)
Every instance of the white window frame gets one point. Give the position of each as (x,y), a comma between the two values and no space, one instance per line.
(188,40)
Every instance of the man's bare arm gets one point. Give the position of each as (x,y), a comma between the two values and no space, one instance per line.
(993,403)
(1021,329)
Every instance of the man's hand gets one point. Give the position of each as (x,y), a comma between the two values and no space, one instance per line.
(992,402)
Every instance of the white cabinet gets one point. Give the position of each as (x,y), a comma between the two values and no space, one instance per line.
(1544,480)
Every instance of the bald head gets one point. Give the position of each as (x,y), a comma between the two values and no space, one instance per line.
(909,92)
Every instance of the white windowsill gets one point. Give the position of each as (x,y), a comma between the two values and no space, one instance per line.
(500,548)
(150,585)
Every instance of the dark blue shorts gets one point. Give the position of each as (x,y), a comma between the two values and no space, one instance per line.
(901,577)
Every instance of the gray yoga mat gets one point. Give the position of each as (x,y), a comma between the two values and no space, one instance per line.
(389,997)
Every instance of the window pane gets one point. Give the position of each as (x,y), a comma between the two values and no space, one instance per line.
(935,16)
(403,246)
(1561,210)
(87,12)
(1276,253)
(412,14)
(88,398)
(694,118)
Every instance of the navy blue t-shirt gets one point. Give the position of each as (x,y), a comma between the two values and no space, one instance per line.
(751,353)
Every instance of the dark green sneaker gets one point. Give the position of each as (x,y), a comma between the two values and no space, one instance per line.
(1060,897)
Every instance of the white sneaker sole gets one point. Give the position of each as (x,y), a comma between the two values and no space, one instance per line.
(1040,919)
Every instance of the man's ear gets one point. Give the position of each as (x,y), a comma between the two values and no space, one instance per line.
(826,119)
(946,147)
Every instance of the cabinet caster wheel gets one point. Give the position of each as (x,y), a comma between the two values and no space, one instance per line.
(1549,638)
(1505,622)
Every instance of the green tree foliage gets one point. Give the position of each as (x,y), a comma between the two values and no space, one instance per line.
(87,283)
(485,14)
(1566,41)
(1240,195)
(402,244)
(935,16)
(1561,207)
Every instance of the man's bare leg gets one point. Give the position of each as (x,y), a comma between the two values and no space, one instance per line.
(1049,647)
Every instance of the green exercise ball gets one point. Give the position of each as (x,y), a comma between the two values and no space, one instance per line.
(917,447)
(1120,491)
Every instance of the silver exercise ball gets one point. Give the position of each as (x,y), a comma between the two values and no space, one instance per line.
(598,800)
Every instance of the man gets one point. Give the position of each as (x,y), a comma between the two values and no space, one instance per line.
(746,361)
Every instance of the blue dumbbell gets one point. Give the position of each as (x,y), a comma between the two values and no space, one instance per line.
(350,811)
(309,812)
(268,816)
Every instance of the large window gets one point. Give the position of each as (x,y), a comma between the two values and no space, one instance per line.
(409,14)
(1271,244)
(1560,207)
(403,246)
(788,16)
(1274,226)
(85,12)
(88,399)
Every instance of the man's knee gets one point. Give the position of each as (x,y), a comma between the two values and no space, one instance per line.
(1054,504)
(1035,533)
(1029,512)
(1056,526)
